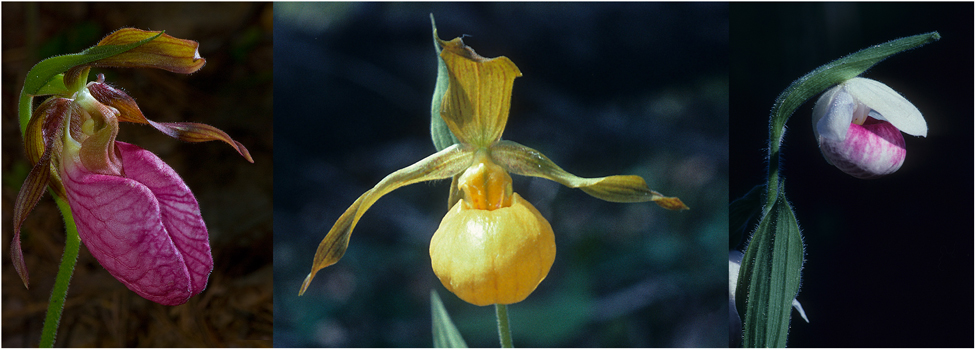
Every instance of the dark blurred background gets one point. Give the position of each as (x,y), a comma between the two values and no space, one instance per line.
(889,262)
(607,89)
(232,92)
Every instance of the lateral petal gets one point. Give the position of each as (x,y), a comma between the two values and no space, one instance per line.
(525,161)
(43,130)
(446,163)
(189,132)
(30,193)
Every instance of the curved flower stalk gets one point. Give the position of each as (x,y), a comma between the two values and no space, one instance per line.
(493,246)
(134,213)
(858,125)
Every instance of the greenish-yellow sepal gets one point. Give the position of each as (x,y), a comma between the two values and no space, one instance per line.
(439,133)
(440,165)
(476,103)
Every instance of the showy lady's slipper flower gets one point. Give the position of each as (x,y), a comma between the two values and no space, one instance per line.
(132,211)
(493,246)
(858,124)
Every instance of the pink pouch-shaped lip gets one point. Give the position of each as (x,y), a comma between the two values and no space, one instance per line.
(144,228)
(870,151)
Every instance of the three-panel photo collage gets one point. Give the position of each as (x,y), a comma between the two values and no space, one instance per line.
(488,174)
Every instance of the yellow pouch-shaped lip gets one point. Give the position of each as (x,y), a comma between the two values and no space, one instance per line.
(493,256)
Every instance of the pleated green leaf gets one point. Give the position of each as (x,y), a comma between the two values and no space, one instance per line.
(446,334)
(769,277)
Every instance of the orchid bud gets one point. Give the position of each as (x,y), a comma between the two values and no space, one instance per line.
(858,125)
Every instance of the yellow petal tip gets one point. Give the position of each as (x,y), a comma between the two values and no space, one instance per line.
(308,280)
(671,203)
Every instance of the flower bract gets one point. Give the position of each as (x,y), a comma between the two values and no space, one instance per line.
(735,324)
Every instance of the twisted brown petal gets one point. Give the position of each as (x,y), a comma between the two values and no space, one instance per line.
(189,132)
(42,135)
(34,140)
(37,180)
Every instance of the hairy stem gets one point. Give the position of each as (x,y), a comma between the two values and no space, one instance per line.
(60,292)
(504,333)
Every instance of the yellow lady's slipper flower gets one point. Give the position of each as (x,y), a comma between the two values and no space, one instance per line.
(493,246)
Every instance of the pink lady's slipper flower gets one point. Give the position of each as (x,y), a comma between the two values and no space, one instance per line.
(134,213)
(859,124)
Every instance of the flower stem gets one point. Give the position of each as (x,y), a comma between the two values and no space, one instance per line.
(60,291)
(504,333)
(772,181)
(72,243)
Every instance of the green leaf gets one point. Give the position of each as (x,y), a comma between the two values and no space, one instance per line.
(769,278)
(446,334)
(439,132)
(839,70)
(742,213)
